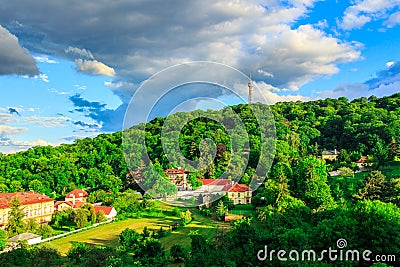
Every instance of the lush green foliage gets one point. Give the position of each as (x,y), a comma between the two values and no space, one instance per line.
(299,206)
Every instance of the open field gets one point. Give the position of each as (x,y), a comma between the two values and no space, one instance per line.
(203,226)
(108,234)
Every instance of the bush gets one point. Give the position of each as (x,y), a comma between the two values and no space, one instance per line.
(186,217)
(176,212)
(178,253)
(206,212)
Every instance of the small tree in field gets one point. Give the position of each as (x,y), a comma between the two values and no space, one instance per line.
(186,217)
(221,210)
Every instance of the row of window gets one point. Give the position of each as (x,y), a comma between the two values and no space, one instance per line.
(238,194)
(36,212)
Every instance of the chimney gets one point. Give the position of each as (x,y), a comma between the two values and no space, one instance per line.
(335,151)
(73,199)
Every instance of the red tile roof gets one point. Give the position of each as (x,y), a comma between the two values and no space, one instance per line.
(173,171)
(77,205)
(77,193)
(215,181)
(239,188)
(24,197)
(105,209)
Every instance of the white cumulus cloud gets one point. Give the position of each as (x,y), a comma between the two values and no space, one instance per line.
(94,67)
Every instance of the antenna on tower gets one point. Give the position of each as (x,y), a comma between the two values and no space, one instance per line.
(250,85)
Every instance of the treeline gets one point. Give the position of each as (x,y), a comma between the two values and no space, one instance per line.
(360,127)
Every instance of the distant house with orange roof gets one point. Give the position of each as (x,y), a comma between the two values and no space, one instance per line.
(34,205)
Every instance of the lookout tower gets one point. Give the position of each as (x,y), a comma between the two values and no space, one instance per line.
(250,85)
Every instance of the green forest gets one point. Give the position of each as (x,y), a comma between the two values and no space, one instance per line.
(298,206)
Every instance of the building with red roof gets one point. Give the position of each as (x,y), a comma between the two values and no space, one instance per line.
(77,195)
(74,199)
(240,194)
(63,205)
(34,205)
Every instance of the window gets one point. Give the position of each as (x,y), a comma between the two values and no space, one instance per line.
(238,194)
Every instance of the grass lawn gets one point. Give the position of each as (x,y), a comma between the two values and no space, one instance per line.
(107,234)
(202,225)
(244,210)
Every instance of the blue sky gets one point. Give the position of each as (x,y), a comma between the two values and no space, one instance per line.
(68,69)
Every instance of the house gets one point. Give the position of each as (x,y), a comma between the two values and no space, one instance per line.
(363,163)
(178,177)
(77,198)
(74,199)
(237,193)
(240,194)
(214,186)
(34,205)
(77,195)
(109,212)
(63,205)
(330,155)
(30,238)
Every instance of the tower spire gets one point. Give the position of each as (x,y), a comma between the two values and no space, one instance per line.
(250,85)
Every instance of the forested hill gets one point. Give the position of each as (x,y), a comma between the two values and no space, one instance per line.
(359,127)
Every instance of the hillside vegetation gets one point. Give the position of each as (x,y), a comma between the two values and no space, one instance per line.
(298,207)
(360,127)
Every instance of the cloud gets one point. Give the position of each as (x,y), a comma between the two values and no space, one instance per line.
(86,125)
(43,77)
(140,38)
(393,20)
(7,118)
(79,101)
(364,11)
(107,119)
(386,82)
(272,97)
(7,131)
(14,111)
(45,59)
(80,52)
(94,67)
(14,58)
(12,146)
(47,122)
